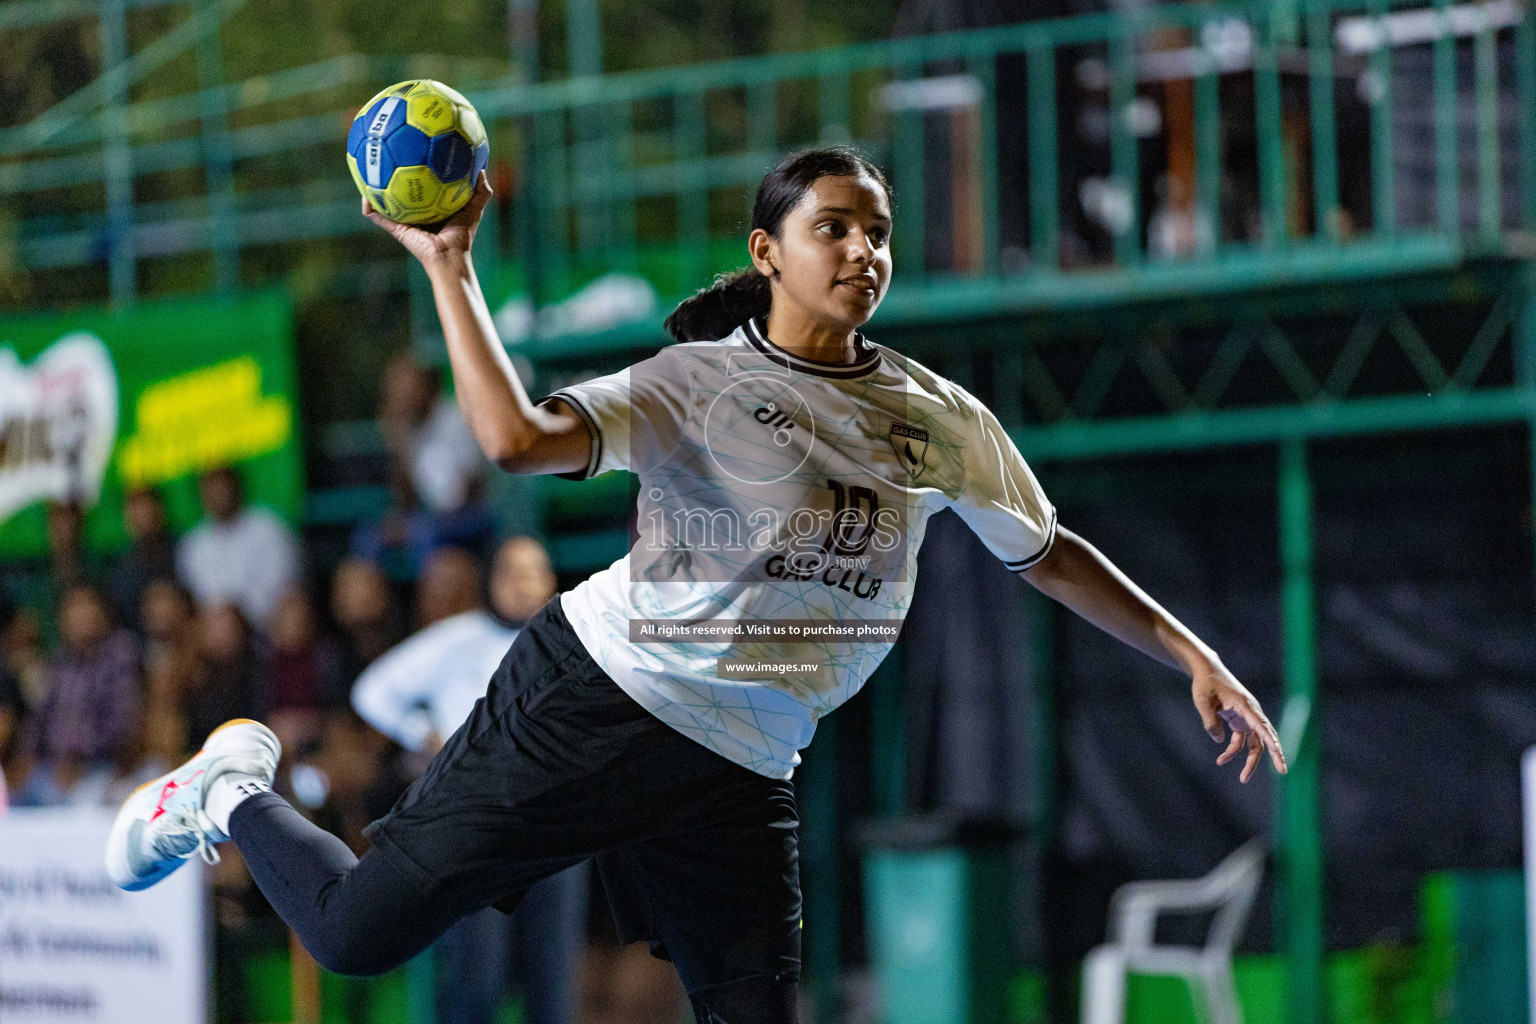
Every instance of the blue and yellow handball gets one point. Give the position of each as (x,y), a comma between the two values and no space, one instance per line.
(416,150)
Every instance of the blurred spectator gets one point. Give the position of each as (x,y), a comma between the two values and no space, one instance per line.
(307,675)
(66,544)
(13,708)
(13,702)
(418,694)
(91,712)
(25,658)
(363,610)
(436,471)
(350,779)
(172,667)
(151,554)
(304,669)
(12,711)
(67,564)
(434,460)
(449,585)
(229,682)
(421,691)
(169,615)
(238,554)
(346,774)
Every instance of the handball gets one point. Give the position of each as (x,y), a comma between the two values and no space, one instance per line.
(416,150)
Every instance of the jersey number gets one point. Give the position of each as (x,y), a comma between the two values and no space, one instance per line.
(853,519)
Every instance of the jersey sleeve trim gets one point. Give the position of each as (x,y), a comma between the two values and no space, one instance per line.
(595,459)
(1050,539)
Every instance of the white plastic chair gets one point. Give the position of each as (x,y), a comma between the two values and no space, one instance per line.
(1229,890)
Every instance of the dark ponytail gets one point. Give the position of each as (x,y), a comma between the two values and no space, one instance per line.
(741,295)
(714,312)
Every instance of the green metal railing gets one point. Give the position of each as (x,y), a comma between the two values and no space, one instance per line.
(714,128)
(868,95)
(980,131)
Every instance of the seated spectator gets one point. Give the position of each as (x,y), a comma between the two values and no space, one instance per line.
(437,472)
(12,712)
(151,554)
(21,644)
(66,544)
(449,585)
(172,667)
(366,614)
(307,674)
(419,692)
(229,680)
(13,709)
(350,778)
(169,615)
(68,563)
(305,669)
(91,712)
(238,554)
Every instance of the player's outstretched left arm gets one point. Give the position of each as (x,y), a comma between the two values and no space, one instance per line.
(1080,577)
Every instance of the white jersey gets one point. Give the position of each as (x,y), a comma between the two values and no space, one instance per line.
(777,490)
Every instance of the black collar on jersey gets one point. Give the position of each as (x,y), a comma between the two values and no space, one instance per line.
(868,357)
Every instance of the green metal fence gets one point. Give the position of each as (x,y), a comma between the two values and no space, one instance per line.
(689,144)
(1001,189)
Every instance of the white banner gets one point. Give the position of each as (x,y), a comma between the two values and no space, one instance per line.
(58,419)
(76,949)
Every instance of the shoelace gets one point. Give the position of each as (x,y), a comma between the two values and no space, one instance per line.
(184,824)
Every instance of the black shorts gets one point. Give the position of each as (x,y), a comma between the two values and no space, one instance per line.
(557,765)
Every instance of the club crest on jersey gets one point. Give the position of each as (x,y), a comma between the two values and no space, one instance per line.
(911,447)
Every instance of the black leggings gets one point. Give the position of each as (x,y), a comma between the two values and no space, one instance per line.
(555,766)
(365,916)
(354,916)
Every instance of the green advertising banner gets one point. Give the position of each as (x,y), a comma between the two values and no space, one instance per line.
(93,403)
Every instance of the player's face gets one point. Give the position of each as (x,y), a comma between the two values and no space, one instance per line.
(833,252)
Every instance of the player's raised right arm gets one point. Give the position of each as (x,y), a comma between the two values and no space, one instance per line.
(510,430)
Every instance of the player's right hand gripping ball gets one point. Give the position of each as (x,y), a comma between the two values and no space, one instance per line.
(416,151)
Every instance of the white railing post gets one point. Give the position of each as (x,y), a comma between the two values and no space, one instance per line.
(1528,818)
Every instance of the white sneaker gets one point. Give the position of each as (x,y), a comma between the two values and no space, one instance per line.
(163,823)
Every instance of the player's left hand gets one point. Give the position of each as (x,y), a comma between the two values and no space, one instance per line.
(1222,700)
